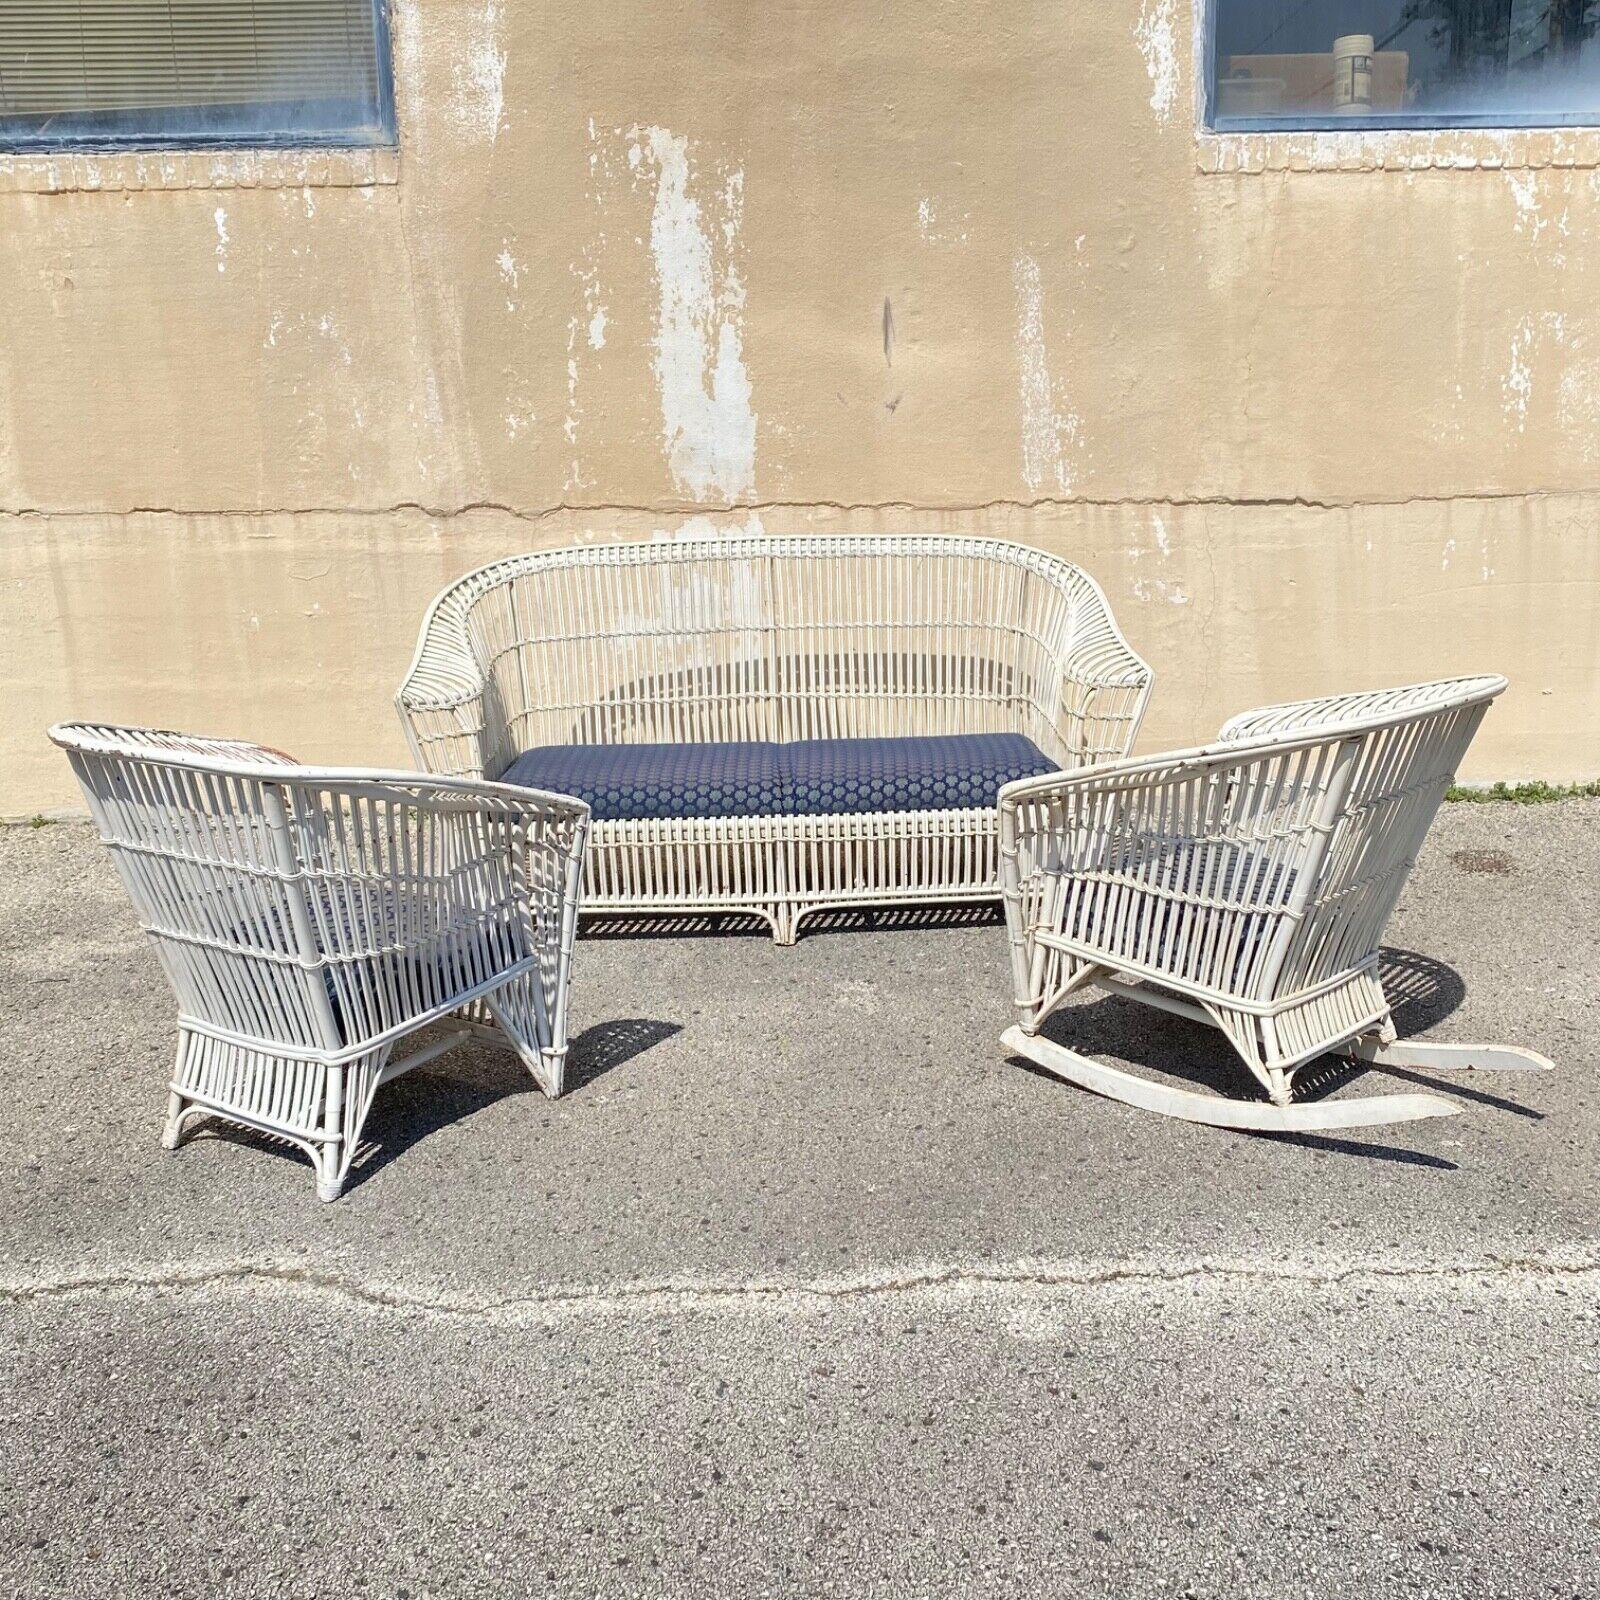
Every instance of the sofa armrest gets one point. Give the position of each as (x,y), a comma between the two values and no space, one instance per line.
(441,700)
(1104,684)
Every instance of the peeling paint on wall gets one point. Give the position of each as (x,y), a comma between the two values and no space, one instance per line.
(1152,586)
(1578,404)
(481,70)
(569,423)
(708,426)
(1545,232)
(585,326)
(466,108)
(1156,35)
(704,527)
(935,227)
(510,274)
(1516,384)
(1045,430)
(220,218)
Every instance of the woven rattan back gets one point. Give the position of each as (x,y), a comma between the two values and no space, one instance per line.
(768,638)
(320,909)
(200,842)
(1394,755)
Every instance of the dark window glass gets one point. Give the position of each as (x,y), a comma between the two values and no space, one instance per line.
(1403,63)
(166,73)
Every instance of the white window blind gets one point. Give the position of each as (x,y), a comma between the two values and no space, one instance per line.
(180,70)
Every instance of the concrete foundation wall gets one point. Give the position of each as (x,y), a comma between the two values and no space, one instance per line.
(1327,418)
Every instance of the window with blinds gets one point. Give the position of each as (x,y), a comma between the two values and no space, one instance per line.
(166,73)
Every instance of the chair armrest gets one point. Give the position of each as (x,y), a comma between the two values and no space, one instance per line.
(420,892)
(160,744)
(1128,775)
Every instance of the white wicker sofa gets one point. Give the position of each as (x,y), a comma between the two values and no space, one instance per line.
(775,725)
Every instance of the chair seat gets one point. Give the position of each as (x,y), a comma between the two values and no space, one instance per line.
(946,772)
(812,777)
(636,782)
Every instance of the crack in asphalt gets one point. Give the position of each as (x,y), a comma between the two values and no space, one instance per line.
(950,1283)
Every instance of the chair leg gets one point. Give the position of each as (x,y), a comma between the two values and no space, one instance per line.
(348,1098)
(1060,976)
(555,1071)
(330,1180)
(318,1109)
(523,1017)
(172,1128)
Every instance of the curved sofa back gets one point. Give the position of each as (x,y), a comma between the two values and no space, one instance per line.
(769,638)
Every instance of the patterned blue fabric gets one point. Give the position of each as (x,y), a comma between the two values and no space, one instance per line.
(947,772)
(636,781)
(814,777)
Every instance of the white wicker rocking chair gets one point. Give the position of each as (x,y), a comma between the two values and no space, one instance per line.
(1245,885)
(310,920)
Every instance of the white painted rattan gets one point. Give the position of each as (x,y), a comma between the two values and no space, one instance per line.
(771,638)
(1245,884)
(310,920)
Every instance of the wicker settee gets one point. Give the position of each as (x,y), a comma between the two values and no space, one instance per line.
(775,725)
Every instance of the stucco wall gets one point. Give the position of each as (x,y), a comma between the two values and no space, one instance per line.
(832,267)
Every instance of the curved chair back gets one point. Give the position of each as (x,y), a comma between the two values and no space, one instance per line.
(319,909)
(767,638)
(1388,758)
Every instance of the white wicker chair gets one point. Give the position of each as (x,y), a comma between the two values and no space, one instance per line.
(1245,885)
(310,920)
(785,640)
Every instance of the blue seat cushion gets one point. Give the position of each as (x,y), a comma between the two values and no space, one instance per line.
(945,772)
(633,782)
(813,777)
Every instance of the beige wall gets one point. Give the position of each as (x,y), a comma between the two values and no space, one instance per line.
(1313,429)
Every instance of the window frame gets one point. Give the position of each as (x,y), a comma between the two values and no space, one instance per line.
(1335,122)
(387,133)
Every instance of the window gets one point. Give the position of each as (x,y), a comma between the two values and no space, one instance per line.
(162,74)
(1402,63)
